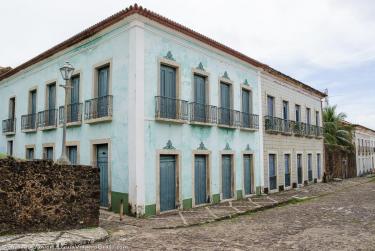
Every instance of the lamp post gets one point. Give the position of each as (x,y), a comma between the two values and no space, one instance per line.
(66,73)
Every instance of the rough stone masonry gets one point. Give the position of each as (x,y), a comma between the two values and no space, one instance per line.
(40,195)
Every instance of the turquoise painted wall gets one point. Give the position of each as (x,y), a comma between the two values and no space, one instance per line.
(185,137)
(112,44)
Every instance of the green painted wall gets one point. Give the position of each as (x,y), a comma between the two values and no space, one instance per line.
(187,203)
(116,198)
(215,198)
(150,210)
(239,195)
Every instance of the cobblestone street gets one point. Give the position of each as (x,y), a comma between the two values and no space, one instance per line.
(343,219)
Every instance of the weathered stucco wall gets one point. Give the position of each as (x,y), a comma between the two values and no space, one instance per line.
(186,137)
(42,196)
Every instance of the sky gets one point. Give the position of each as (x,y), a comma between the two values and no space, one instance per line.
(323,43)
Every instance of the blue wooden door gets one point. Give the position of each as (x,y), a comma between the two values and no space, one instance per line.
(227,176)
(272,171)
(74,99)
(200,179)
(299,168)
(287,169)
(246,108)
(248,172)
(168,93)
(167,182)
(225,104)
(103,91)
(102,163)
(200,98)
(309,167)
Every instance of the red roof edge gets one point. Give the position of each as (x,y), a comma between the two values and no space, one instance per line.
(164,21)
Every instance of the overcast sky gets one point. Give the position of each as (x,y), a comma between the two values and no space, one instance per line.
(323,43)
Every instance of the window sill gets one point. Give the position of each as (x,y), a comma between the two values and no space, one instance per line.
(226,126)
(202,123)
(47,128)
(99,120)
(29,130)
(248,129)
(175,121)
(9,133)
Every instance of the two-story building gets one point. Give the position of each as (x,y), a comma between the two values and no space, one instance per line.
(364,140)
(169,116)
(293,136)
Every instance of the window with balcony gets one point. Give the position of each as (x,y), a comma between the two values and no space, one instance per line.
(248,119)
(227,116)
(48,117)
(9,124)
(100,107)
(28,121)
(168,105)
(74,107)
(200,110)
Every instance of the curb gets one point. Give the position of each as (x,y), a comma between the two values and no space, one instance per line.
(56,243)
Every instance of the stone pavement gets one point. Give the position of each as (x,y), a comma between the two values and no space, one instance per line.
(340,217)
(46,240)
(226,210)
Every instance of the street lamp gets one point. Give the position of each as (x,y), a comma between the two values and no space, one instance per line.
(66,72)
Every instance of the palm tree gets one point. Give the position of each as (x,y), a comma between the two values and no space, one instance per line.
(338,134)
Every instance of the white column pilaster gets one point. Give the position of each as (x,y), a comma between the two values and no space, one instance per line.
(136,118)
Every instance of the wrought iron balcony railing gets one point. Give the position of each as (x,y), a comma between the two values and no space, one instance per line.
(311,130)
(203,113)
(300,129)
(28,122)
(171,108)
(100,107)
(9,126)
(47,118)
(228,117)
(274,124)
(74,113)
(319,131)
(249,121)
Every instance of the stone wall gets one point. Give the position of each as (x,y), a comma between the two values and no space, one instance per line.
(41,196)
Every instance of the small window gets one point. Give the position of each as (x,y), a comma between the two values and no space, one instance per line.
(48,153)
(270,106)
(298,113)
(10,148)
(30,153)
(73,154)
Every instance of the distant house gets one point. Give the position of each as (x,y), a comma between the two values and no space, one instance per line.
(172,118)
(364,139)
